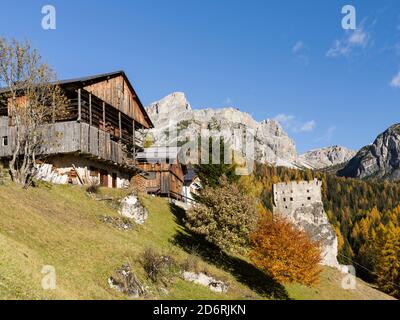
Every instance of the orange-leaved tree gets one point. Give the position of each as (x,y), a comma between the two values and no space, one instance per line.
(284,252)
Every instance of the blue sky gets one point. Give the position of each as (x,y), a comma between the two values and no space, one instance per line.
(289,60)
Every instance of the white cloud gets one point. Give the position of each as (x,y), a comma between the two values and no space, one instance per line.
(308,126)
(358,38)
(289,122)
(298,46)
(395,83)
(327,135)
(227,101)
(354,40)
(300,51)
(284,119)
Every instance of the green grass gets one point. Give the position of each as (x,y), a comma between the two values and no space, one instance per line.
(60,226)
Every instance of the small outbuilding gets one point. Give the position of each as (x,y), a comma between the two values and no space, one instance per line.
(163,174)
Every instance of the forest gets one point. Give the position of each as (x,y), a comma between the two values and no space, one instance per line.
(364,213)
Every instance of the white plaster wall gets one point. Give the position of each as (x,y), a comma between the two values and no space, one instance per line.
(64,165)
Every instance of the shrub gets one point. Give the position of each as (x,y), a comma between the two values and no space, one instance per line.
(93,189)
(285,253)
(126,281)
(191,263)
(158,267)
(224,216)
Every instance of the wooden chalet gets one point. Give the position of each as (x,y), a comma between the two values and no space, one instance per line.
(162,175)
(98,140)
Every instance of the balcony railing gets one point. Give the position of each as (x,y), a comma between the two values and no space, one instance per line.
(75,137)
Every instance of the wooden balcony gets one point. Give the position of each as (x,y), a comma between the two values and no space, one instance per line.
(79,138)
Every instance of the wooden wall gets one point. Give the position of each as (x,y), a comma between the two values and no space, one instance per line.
(168,178)
(5,131)
(117,93)
(71,137)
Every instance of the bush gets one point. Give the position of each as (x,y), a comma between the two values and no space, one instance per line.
(285,253)
(93,189)
(158,268)
(192,264)
(224,216)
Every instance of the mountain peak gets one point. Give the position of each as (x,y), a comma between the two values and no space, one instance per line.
(272,144)
(170,104)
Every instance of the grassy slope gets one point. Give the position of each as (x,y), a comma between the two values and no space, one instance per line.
(60,226)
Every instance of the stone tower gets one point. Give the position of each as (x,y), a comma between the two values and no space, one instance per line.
(301,203)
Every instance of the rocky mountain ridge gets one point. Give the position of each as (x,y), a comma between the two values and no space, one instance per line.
(379,160)
(327,157)
(272,143)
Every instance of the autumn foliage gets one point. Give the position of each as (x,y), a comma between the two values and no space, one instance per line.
(224,216)
(284,252)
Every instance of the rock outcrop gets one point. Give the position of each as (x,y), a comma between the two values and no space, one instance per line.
(131,208)
(327,157)
(205,280)
(124,280)
(272,144)
(380,160)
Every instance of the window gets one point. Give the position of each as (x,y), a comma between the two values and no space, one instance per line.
(308,191)
(291,199)
(94,172)
(284,199)
(309,198)
(150,175)
(4,141)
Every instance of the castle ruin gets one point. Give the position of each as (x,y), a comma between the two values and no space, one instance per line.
(301,203)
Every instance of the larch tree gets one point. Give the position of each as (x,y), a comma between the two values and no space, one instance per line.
(284,252)
(34,99)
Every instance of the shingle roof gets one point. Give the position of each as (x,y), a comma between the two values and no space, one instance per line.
(94,77)
(105,76)
(98,78)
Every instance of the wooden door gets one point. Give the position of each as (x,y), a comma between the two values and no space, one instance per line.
(104,178)
(114,180)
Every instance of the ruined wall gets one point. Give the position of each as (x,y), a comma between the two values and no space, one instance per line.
(301,203)
(296,194)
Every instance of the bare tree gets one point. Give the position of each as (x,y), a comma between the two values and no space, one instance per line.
(34,100)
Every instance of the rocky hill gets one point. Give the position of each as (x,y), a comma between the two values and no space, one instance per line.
(380,160)
(327,157)
(272,143)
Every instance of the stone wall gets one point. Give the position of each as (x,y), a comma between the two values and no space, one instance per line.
(301,203)
(296,194)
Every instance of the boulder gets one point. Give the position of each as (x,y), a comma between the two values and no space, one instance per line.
(131,208)
(205,280)
(125,281)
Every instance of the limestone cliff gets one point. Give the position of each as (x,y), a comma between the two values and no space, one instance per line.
(272,144)
(327,157)
(380,160)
